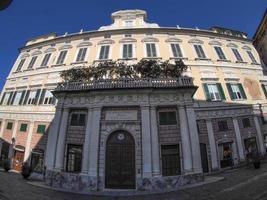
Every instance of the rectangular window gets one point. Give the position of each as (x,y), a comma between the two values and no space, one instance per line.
(81,54)
(199,51)
(151,50)
(222,125)
(46,59)
(6,98)
(74,158)
(30,66)
(167,118)
(127,51)
(176,51)
(17,98)
(220,53)
(237,55)
(48,98)
(251,57)
(78,119)
(170,160)
(236,91)
(9,125)
(264,88)
(41,129)
(61,57)
(23,128)
(214,92)
(246,122)
(21,63)
(104,52)
(31,99)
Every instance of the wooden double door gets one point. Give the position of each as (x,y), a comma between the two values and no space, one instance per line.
(120,161)
(18,160)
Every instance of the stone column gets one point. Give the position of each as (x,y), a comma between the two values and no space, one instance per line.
(28,143)
(213,146)
(3,125)
(11,147)
(146,142)
(186,146)
(239,140)
(94,143)
(52,140)
(59,162)
(155,142)
(260,137)
(86,144)
(195,146)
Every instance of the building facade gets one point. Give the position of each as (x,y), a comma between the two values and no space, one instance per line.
(207,120)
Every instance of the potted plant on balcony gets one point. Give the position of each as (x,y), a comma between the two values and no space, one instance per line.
(26,170)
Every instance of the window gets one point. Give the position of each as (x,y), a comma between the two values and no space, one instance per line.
(127,51)
(9,125)
(167,118)
(246,122)
(48,98)
(220,53)
(170,160)
(31,99)
(37,160)
(151,50)
(214,91)
(176,51)
(41,129)
(21,63)
(225,154)
(46,59)
(6,98)
(264,88)
(17,98)
(77,119)
(199,51)
(81,54)
(74,158)
(236,91)
(61,57)
(104,52)
(237,55)
(23,128)
(30,66)
(222,125)
(128,23)
(251,57)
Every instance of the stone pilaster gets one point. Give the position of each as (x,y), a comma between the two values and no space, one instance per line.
(155,142)
(59,162)
(186,145)
(213,146)
(52,140)
(239,140)
(260,137)
(146,142)
(28,143)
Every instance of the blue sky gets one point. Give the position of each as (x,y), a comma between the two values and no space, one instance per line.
(29,18)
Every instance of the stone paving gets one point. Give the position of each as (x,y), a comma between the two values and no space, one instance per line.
(240,184)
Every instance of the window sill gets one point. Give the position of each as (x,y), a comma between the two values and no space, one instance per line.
(223,60)
(241,62)
(26,70)
(204,59)
(58,65)
(16,72)
(42,67)
(178,58)
(255,64)
(152,58)
(78,62)
(102,60)
(127,59)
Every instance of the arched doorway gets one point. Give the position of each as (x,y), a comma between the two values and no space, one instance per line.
(120,161)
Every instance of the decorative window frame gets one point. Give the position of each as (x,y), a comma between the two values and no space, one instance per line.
(232,45)
(246,47)
(106,42)
(133,51)
(196,41)
(150,40)
(76,54)
(127,40)
(50,50)
(173,40)
(215,43)
(109,53)
(157,50)
(36,53)
(65,47)
(182,50)
(24,55)
(84,44)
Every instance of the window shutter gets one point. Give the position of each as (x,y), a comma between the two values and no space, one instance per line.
(22,97)
(41,100)
(219,86)
(232,96)
(206,90)
(264,90)
(10,98)
(13,98)
(37,97)
(26,97)
(3,97)
(242,91)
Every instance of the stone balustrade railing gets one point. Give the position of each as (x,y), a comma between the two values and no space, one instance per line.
(126,83)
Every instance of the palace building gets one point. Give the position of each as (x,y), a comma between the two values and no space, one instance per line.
(142,134)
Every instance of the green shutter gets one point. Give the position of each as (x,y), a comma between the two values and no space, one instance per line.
(244,96)
(219,86)
(232,95)
(264,90)
(206,90)
(41,129)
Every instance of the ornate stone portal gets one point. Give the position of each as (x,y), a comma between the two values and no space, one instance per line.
(120,141)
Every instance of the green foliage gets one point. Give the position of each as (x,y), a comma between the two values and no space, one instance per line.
(145,68)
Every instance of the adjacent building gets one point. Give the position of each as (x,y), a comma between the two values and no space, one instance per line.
(161,134)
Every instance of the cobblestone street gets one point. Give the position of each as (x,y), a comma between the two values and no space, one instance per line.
(245,183)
